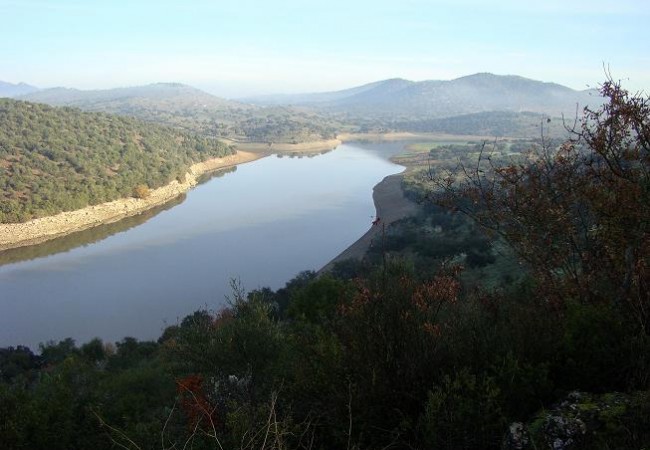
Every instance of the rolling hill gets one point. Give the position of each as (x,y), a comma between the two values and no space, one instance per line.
(186,107)
(482,92)
(479,100)
(157,96)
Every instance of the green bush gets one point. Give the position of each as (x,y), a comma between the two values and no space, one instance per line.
(463,412)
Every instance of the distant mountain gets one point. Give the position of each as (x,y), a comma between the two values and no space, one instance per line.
(14,90)
(157,97)
(393,84)
(482,92)
(173,104)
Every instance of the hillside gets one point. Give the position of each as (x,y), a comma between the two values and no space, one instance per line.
(327,97)
(186,107)
(61,159)
(492,123)
(14,90)
(403,99)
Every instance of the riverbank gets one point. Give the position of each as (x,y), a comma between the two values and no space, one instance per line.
(44,229)
(302,147)
(40,230)
(330,144)
(407,136)
(390,205)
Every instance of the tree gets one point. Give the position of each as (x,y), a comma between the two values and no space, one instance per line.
(577,215)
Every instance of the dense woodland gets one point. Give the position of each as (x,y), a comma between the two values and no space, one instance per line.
(60,159)
(412,347)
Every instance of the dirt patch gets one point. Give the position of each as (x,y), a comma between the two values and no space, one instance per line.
(302,147)
(405,136)
(391,205)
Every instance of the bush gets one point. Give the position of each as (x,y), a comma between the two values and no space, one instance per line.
(463,412)
(141,191)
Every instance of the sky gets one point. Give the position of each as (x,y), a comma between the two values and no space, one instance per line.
(237,48)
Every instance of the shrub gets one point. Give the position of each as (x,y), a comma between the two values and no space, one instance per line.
(141,191)
(462,412)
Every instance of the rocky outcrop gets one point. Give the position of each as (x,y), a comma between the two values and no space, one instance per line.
(587,421)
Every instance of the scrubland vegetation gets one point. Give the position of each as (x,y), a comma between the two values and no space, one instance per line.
(61,159)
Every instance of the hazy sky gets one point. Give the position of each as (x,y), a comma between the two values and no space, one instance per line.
(244,47)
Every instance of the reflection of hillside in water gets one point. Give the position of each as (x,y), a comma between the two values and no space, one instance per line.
(292,154)
(216,174)
(84,237)
(95,234)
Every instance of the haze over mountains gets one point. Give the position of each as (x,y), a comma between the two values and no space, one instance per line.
(157,95)
(395,97)
(479,103)
(437,98)
(153,100)
(189,108)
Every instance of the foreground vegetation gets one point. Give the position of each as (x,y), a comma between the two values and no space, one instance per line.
(409,349)
(61,159)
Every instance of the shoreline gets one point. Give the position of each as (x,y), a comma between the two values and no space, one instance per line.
(407,136)
(390,206)
(303,147)
(37,231)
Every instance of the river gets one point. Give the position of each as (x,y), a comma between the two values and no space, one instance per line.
(261,224)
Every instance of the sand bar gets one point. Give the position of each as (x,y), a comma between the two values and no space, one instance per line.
(391,205)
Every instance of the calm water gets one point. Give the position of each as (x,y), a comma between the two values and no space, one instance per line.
(261,224)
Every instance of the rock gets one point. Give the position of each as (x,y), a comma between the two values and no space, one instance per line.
(587,421)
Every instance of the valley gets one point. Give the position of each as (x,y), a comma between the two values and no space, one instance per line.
(460,250)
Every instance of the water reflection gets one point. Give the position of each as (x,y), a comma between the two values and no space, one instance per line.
(98,233)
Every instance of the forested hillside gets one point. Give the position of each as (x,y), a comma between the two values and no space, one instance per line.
(192,109)
(490,124)
(60,159)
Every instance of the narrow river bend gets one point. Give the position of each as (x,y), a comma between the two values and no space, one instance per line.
(261,224)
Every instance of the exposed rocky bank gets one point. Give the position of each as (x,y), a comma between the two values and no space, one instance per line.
(35,231)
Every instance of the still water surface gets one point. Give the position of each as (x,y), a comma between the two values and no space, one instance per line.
(261,224)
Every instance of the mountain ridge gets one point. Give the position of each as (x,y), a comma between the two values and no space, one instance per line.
(480,92)
(96,99)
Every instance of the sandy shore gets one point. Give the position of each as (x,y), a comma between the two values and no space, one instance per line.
(303,147)
(391,205)
(46,228)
